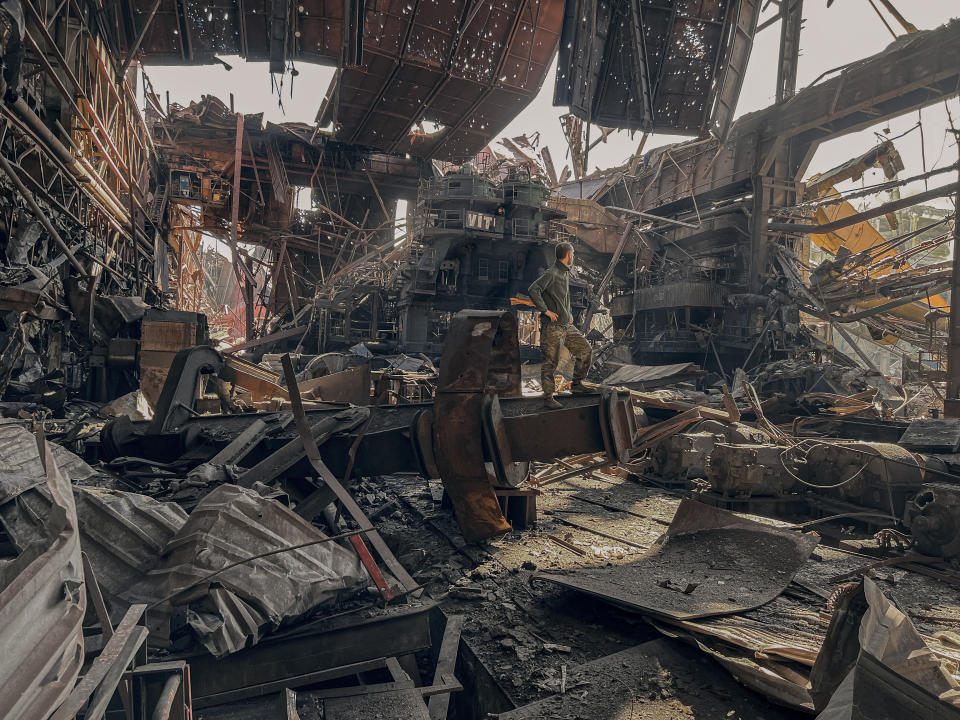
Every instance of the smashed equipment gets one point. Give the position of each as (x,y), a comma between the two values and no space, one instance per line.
(478,434)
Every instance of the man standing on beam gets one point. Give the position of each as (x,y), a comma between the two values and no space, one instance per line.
(550,294)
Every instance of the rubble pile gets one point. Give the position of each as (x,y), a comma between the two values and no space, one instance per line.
(244,539)
(277,433)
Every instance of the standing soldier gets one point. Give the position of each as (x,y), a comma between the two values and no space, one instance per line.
(551,295)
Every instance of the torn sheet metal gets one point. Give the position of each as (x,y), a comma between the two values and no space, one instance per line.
(145,551)
(627,374)
(43,599)
(709,562)
(21,468)
(124,535)
(351,386)
(674,67)
(896,675)
(237,606)
(774,680)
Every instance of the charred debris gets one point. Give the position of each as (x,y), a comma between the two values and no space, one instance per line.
(271,440)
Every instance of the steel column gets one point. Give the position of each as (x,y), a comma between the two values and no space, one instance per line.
(951,405)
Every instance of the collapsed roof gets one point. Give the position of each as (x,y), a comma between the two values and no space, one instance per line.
(470,66)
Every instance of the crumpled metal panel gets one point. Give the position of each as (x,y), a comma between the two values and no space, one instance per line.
(895,675)
(123,535)
(21,468)
(237,606)
(43,599)
(145,551)
(710,562)
(642,373)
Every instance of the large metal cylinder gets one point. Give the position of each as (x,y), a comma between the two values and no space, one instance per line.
(875,475)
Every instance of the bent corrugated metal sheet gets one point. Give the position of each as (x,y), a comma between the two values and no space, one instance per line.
(43,599)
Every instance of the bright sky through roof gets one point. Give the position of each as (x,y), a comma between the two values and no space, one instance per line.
(847,31)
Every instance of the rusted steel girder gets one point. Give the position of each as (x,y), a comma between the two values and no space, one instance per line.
(481,363)
(481,355)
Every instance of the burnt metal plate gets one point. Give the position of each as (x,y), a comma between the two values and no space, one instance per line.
(398,705)
(709,562)
(631,683)
(655,65)
(939,435)
(311,647)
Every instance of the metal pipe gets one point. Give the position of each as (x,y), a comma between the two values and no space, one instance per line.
(85,174)
(89,184)
(884,383)
(41,216)
(29,118)
(650,216)
(24,112)
(168,695)
(139,41)
(595,303)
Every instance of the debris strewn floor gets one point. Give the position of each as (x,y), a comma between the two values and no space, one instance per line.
(277,437)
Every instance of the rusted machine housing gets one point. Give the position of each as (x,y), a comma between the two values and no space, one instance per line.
(748,470)
(874,475)
(683,456)
(934,520)
(686,455)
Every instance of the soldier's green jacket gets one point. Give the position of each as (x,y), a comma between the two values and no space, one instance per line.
(551,291)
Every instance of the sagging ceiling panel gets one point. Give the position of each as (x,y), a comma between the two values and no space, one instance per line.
(468,65)
(673,66)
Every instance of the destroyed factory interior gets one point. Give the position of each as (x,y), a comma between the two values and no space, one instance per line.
(479,359)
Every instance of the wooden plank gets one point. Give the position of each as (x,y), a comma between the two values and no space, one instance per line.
(345,498)
(399,675)
(295,681)
(288,705)
(100,607)
(446,665)
(105,672)
(281,335)
(241,445)
(290,454)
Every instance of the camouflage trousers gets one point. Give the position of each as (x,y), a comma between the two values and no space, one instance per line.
(553,336)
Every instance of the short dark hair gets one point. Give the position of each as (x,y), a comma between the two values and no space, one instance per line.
(563,249)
